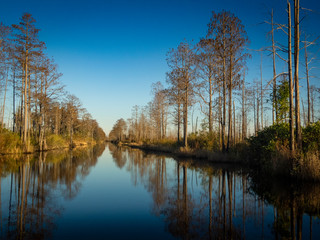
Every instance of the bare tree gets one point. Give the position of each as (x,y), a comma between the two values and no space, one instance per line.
(160,110)
(206,70)
(175,98)
(182,61)
(27,46)
(296,72)
(231,40)
(291,141)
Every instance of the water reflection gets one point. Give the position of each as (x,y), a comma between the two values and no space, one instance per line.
(34,184)
(202,201)
(189,199)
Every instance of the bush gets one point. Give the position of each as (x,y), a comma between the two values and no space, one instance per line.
(203,141)
(165,142)
(9,141)
(56,141)
(311,138)
(269,142)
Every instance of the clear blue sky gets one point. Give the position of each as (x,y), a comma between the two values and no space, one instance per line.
(110,52)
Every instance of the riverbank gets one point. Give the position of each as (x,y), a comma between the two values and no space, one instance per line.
(11,143)
(267,153)
(183,152)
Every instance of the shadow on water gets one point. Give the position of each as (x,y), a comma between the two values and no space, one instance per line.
(191,199)
(200,200)
(34,183)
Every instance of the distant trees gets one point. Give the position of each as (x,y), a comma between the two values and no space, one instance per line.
(36,81)
(160,109)
(210,75)
(206,73)
(118,132)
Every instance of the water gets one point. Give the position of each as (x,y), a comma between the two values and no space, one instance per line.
(122,193)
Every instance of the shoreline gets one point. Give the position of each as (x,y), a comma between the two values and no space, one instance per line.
(21,152)
(214,157)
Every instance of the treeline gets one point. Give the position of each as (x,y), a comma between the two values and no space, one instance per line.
(211,75)
(41,111)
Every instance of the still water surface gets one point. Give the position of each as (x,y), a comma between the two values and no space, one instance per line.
(110,192)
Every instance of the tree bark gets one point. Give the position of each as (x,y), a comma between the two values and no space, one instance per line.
(224,104)
(243,135)
(25,129)
(261,94)
(4,98)
(274,104)
(291,140)
(307,76)
(185,119)
(296,75)
(230,105)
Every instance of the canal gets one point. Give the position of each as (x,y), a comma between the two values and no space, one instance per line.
(110,192)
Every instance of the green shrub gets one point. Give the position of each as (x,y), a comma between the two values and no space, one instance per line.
(311,138)
(267,142)
(165,142)
(9,141)
(56,141)
(203,141)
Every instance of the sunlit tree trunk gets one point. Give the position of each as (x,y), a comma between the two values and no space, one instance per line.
(261,94)
(4,97)
(307,77)
(25,129)
(291,140)
(274,102)
(244,132)
(296,73)
(185,116)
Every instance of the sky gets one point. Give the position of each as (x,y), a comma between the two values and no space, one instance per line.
(110,52)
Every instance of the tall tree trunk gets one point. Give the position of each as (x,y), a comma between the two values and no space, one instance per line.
(4,98)
(185,119)
(179,120)
(14,98)
(312,102)
(296,73)
(210,105)
(258,125)
(57,120)
(230,106)
(274,103)
(261,95)
(291,140)
(307,76)
(243,135)
(254,113)
(220,119)
(25,128)
(234,124)
(303,114)
(224,104)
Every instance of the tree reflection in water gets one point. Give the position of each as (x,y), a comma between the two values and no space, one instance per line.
(35,184)
(205,201)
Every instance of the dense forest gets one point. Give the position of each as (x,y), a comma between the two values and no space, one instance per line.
(207,80)
(41,115)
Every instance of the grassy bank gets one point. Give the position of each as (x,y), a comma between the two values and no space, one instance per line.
(172,147)
(11,143)
(267,153)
